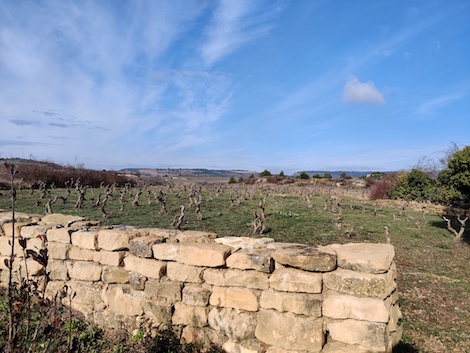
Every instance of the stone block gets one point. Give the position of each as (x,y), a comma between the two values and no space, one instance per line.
(237,243)
(247,346)
(124,302)
(57,270)
(307,258)
(81,254)
(34,231)
(146,267)
(201,254)
(252,259)
(365,334)
(340,347)
(184,273)
(8,228)
(142,246)
(58,251)
(112,274)
(195,295)
(294,280)
(290,331)
(339,306)
(59,235)
(84,271)
(360,284)
(110,258)
(158,313)
(137,281)
(195,316)
(370,258)
(395,316)
(236,278)
(195,236)
(168,290)
(297,303)
(236,325)
(234,297)
(204,337)
(113,239)
(165,251)
(85,239)
(60,219)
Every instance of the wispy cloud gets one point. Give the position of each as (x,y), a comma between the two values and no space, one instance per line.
(362,92)
(431,105)
(234,24)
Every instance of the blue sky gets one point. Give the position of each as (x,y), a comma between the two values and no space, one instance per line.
(234,84)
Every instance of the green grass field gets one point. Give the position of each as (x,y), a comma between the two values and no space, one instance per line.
(433,268)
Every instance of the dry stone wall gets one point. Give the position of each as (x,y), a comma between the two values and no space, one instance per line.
(249,295)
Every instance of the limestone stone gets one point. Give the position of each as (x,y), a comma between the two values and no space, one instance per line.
(290,331)
(83,225)
(195,236)
(236,325)
(234,297)
(195,316)
(34,231)
(85,239)
(339,306)
(5,246)
(57,270)
(146,267)
(274,349)
(60,235)
(137,281)
(113,239)
(165,251)
(53,288)
(360,284)
(8,228)
(365,334)
(247,346)
(205,337)
(294,280)
(60,219)
(237,243)
(111,258)
(195,295)
(163,289)
(202,254)
(237,278)
(297,303)
(339,347)
(58,251)
(158,313)
(184,273)
(113,274)
(81,254)
(370,258)
(85,271)
(252,259)
(142,246)
(395,316)
(88,295)
(6,217)
(306,258)
(123,302)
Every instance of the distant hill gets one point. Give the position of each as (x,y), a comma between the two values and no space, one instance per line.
(184,172)
(337,173)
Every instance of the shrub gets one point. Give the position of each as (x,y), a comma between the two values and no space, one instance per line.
(304,176)
(380,189)
(265,173)
(232,181)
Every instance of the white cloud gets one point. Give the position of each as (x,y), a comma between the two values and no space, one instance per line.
(362,92)
(431,105)
(234,24)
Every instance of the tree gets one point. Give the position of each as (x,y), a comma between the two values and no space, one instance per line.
(304,176)
(232,181)
(281,174)
(327,176)
(456,178)
(265,173)
(241,180)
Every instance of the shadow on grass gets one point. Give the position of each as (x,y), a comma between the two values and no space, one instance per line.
(404,348)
